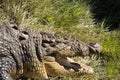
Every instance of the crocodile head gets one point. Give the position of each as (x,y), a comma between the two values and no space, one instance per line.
(94,48)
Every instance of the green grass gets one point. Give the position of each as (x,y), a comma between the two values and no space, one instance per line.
(112,49)
(72,19)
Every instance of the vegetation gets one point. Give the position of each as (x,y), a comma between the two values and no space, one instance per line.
(73,19)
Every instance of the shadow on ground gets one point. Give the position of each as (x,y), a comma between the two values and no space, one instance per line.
(107,11)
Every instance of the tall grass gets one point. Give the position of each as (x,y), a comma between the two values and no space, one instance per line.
(72,19)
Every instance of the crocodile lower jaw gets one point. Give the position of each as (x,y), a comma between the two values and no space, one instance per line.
(65,66)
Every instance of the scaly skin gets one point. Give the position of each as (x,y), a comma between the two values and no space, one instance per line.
(68,47)
(25,52)
(20,54)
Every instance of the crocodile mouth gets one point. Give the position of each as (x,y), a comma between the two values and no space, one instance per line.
(62,65)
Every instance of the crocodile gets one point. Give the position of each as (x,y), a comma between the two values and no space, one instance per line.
(27,53)
(62,49)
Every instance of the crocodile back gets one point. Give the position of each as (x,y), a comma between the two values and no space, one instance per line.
(10,49)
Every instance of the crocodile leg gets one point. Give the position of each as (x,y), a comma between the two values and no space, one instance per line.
(7,66)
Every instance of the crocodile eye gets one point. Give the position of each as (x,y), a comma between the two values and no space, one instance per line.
(92,44)
(15,27)
(24,35)
(21,38)
(25,32)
